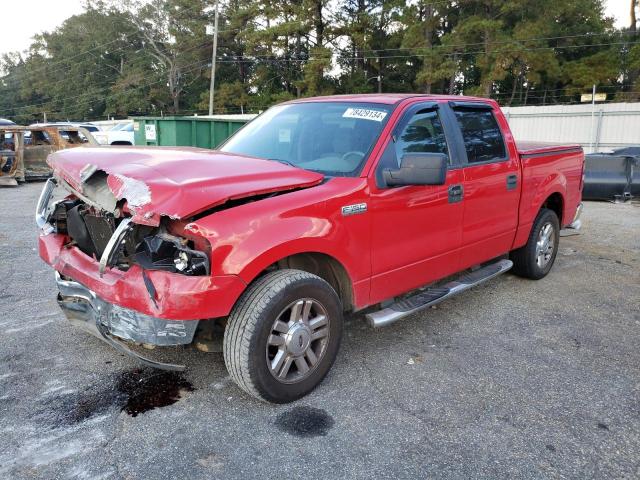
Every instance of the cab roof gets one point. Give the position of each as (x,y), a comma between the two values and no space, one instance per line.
(388,98)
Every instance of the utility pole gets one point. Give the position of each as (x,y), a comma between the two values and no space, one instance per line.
(213,59)
(593,113)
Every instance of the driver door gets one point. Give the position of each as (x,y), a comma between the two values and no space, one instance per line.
(416,230)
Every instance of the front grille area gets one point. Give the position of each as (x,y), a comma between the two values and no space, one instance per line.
(89,231)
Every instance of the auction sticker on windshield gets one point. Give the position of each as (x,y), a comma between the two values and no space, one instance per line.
(364,114)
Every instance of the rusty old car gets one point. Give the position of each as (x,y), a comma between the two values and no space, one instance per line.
(24,150)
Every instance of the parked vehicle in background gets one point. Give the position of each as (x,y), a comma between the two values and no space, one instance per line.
(121,134)
(317,207)
(612,176)
(4,121)
(24,150)
(62,125)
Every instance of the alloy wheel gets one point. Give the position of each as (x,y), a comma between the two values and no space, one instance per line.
(298,340)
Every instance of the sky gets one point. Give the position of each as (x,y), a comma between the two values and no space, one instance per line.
(22,19)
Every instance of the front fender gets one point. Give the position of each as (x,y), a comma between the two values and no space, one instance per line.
(247,239)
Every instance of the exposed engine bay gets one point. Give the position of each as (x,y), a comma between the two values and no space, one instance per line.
(111,237)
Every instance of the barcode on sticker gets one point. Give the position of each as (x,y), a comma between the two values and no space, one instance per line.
(365,114)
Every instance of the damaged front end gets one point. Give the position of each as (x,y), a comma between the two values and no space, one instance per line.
(116,325)
(99,225)
(118,227)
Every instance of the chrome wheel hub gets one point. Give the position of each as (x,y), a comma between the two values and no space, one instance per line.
(545,245)
(298,340)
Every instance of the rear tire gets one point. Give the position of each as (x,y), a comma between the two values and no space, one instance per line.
(536,258)
(283,335)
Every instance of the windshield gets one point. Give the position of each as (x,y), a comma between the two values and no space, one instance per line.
(333,138)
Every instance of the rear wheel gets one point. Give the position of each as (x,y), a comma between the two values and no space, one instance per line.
(283,335)
(536,258)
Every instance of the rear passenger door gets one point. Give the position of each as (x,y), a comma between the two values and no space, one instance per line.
(491,184)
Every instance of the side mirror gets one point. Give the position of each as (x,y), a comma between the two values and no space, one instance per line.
(418,169)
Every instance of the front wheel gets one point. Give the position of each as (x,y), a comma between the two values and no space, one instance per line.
(283,335)
(536,258)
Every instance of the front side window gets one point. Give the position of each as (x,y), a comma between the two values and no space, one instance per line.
(423,134)
(332,138)
(40,137)
(482,137)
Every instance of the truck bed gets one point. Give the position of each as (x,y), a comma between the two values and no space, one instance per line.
(529,149)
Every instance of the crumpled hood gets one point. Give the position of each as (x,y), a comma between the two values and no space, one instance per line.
(175,182)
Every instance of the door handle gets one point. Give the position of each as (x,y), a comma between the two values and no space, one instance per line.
(512,182)
(456,193)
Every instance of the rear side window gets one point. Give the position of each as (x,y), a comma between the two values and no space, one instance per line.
(423,134)
(482,137)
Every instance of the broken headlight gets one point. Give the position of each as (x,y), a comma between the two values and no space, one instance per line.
(172,254)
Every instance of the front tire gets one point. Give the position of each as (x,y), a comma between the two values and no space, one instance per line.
(536,258)
(283,335)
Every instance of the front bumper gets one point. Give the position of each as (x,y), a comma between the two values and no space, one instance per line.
(112,323)
(177,297)
(159,294)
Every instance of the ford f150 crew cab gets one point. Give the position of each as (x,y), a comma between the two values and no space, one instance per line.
(317,207)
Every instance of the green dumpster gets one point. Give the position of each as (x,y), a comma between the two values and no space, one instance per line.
(204,132)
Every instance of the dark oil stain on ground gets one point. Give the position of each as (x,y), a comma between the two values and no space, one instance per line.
(147,389)
(133,391)
(305,422)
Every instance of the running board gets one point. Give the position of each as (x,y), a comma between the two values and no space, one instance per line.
(431,296)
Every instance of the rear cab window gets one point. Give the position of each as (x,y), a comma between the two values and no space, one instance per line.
(481,134)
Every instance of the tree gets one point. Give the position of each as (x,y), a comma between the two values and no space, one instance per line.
(68,72)
(173,34)
(138,57)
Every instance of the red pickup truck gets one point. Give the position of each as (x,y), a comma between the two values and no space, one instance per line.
(317,207)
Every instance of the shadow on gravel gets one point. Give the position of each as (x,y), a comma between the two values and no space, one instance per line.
(134,392)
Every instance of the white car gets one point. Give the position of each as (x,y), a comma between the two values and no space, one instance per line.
(121,134)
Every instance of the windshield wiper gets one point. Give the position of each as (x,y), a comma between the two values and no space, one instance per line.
(286,162)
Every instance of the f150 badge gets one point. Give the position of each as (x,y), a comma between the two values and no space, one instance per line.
(354,209)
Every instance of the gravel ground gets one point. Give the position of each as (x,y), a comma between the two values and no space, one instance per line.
(515,379)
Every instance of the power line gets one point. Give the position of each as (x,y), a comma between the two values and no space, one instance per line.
(588,35)
(276,60)
(503,42)
(100,70)
(254,58)
(266,59)
(137,32)
(57,100)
